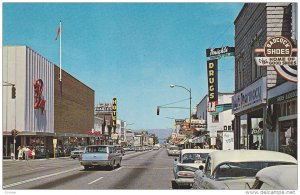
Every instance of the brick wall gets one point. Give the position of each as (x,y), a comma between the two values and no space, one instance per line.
(73,105)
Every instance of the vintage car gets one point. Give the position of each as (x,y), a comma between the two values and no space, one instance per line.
(76,152)
(100,155)
(173,151)
(235,169)
(184,167)
(281,177)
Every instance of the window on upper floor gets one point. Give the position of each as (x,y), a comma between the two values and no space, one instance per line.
(256,71)
(215,118)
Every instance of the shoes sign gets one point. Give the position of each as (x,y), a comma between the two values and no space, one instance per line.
(278,52)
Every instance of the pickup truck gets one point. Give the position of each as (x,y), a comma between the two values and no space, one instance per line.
(100,156)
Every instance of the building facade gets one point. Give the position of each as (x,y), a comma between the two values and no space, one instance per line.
(44,108)
(215,122)
(262,96)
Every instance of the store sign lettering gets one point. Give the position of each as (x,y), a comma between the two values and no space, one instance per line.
(39,101)
(278,52)
(251,96)
(114,112)
(212,73)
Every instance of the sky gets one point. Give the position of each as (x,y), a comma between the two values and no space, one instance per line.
(131,51)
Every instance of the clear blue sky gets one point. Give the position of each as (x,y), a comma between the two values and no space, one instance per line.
(131,51)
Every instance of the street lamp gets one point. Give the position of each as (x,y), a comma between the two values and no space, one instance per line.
(190,91)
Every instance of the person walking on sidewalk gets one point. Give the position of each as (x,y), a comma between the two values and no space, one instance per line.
(33,153)
(20,153)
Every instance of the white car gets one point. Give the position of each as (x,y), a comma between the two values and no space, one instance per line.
(236,169)
(184,167)
(173,151)
(281,177)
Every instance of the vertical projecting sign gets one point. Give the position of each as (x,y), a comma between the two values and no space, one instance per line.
(39,101)
(212,74)
(114,111)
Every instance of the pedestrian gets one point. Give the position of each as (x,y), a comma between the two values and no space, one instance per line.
(33,153)
(26,153)
(20,154)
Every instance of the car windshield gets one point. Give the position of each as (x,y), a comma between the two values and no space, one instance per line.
(174,148)
(242,169)
(96,149)
(194,157)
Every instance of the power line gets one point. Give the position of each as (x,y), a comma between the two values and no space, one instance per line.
(174,102)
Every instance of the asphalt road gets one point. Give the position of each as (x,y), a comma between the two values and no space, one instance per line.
(139,170)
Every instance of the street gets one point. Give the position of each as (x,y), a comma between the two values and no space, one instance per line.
(139,170)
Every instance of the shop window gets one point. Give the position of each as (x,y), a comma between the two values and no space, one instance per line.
(215,118)
(288,137)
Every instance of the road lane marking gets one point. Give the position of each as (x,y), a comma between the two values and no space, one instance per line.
(95,180)
(38,178)
(118,169)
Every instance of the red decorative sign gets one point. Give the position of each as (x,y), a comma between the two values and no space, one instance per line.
(39,102)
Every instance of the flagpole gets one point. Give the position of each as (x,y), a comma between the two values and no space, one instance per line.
(60,52)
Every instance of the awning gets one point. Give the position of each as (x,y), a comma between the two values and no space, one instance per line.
(221,108)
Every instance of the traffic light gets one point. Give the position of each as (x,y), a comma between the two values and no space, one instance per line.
(157,111)
(16,132)
(13,92)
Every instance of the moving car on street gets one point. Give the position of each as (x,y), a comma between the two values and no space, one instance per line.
(100,155)
(235,169)
(173,151)
(281,177)
(76,153)
(184,167)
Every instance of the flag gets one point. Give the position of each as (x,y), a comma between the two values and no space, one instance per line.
(58,31)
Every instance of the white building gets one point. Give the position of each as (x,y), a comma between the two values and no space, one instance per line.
(218,121)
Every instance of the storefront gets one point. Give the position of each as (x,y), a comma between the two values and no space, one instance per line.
(249,108)
(283,117)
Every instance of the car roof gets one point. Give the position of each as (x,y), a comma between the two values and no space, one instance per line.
(100,145)
(280,177)
(221,156)
(184,151)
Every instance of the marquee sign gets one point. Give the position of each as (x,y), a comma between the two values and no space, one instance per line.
(212,73)
(278,53)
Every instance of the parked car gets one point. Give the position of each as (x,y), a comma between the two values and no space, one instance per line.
(120,150)
(155,148)
(138,148)
(100,155)
(235,169)
(281,177)
(184,167)
(173,151)
(76,153)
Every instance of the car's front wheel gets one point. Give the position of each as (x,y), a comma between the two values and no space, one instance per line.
(86,167)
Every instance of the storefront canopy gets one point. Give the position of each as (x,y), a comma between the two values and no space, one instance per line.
(221,108)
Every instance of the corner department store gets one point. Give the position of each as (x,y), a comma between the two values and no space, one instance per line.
(44,108)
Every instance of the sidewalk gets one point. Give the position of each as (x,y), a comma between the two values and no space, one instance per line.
(39,159)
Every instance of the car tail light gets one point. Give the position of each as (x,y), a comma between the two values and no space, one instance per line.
(185,174)
(109,158)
